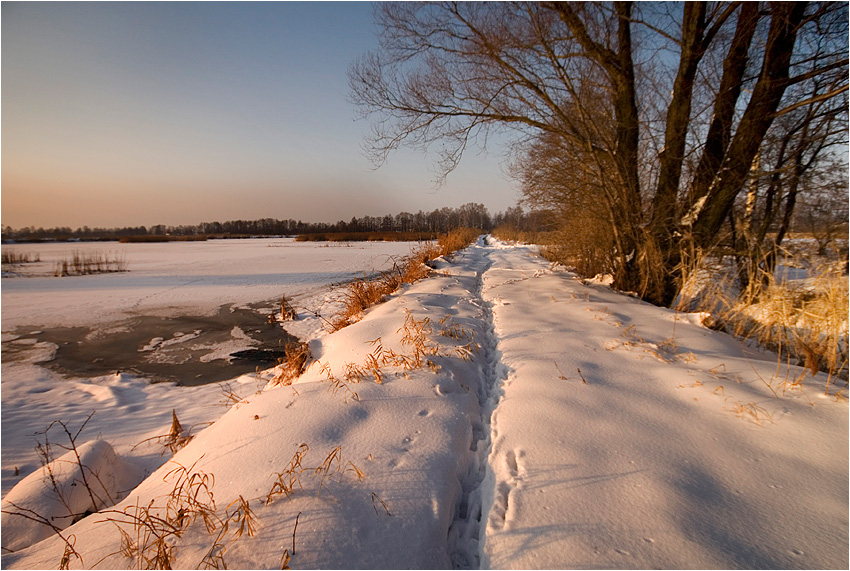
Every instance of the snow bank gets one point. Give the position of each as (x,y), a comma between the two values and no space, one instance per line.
(65,490)
(630,437)
(522,419)
(413,438)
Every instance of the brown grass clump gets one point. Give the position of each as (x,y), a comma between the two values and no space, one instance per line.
(803,322)
(81,264)
(287,312)
(20,258)
(363,294)
(297,355)
(457,239)
(176,438)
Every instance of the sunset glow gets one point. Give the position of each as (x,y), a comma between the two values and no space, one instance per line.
(176,113)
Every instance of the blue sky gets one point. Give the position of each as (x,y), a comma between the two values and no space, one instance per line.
(119,114)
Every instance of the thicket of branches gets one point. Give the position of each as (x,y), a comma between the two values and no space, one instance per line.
(659,131)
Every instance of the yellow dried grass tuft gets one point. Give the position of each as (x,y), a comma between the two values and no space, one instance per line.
(362,294)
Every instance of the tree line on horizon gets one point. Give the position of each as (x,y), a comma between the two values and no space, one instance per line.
(440,220)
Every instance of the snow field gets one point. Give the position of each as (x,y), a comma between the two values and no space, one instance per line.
(413,437)
(587,429)
(179,278)
(656,461)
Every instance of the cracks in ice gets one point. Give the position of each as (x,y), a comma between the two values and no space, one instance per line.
(467,529)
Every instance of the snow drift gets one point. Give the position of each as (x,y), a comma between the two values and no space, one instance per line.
(76,484)
(504,413)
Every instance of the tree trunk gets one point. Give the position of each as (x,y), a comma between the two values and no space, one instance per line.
(678,119)
(757,118)
(720,129)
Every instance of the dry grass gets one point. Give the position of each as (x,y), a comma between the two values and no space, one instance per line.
(548,240)
(453,330)
(802,321)
(333,466)
(70,541)
(297,355)
(751,410)
(229,397)
(380,501)
(457,239)
(338,385)
(366,237)
(290,476)
(177,437)
(85,263)
(149,532)
(360,295)
(287,312)
(418,351)
(19,258)
(45,453)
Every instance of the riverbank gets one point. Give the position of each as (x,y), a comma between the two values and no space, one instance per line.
(504,413)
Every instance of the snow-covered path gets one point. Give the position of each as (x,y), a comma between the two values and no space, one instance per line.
(627,437)
(522,418)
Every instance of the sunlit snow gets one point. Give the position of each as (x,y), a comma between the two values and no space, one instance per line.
(524,418)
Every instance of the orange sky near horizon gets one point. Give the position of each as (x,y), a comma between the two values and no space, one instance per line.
(128,114)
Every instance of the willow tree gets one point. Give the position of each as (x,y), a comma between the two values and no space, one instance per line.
(650,114)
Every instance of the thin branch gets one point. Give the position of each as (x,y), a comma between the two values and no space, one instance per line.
(810,100)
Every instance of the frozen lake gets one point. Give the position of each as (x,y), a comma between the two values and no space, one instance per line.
(76,344)
(164,278)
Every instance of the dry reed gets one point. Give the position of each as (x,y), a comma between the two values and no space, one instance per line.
(362,294)
(803,320)
(19,258)
(82,263)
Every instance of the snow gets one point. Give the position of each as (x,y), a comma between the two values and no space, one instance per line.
(650,460)
(163,279)
(191,276)
(107,475)
(559,424)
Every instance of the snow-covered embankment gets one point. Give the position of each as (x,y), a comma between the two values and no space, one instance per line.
(523,419)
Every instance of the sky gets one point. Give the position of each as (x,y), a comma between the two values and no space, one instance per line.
(127,114)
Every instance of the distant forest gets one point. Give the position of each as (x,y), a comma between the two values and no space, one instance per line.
(470,215)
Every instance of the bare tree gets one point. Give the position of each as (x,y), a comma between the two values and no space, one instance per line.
(656,150)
